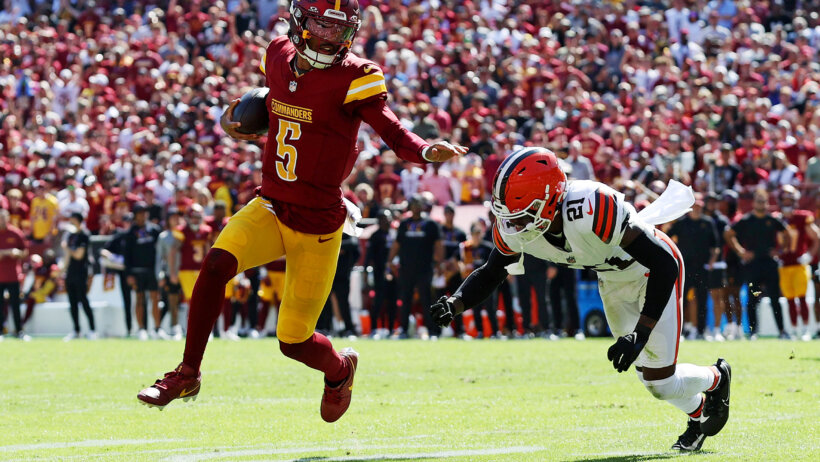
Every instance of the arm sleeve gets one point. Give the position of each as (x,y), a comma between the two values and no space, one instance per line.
(404,143)
(663,268)
(481,283)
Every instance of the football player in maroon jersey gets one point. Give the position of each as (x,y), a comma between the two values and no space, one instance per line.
(319,95)
(794,272)
(196,240)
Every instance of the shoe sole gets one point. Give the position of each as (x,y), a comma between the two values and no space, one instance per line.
(676,447)
(186,399)
(725,371)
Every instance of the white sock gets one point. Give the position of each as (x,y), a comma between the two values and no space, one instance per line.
(683,389)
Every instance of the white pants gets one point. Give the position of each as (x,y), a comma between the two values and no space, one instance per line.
(623,301)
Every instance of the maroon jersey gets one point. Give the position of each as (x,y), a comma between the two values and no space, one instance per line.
(19,217)
(11,269)
(799,237)
(194,247)
(314,123)
(216,227)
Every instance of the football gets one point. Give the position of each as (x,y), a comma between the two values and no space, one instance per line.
(252,112)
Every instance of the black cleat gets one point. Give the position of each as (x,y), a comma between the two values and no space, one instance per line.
(691,439)
(716,408)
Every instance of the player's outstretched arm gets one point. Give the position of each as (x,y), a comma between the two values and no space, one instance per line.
(229,126)
(479,285)
(663,272)
(406,144)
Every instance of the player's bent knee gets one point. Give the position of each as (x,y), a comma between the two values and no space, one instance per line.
(292,350)
(665,389)
(293,331)
(219,265)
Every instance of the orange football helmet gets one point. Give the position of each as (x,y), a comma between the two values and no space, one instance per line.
(527,191)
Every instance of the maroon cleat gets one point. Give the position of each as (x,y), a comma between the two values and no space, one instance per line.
(336,400)
(183,382)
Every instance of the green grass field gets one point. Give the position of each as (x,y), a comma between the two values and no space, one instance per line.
(451,400)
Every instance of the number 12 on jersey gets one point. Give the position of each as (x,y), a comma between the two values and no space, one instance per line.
(288,130)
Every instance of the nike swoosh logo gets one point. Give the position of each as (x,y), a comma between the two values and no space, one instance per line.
(325,240)
(589,212)
(186,392)
(367,69)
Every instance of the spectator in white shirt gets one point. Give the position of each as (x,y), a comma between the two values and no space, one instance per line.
(69,201)
(676,18)
(783,172)
(581,166)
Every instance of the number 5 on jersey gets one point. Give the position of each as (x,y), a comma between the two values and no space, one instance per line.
(288,130)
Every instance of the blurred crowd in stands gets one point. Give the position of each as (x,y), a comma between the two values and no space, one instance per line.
(110,105)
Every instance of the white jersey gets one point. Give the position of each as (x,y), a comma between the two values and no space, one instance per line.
(595,218)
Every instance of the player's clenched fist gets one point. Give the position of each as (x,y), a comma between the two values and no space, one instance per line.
(445,309)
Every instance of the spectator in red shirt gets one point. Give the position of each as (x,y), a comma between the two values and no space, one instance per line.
(590,141)
(13,249)
(387,183)
(475,115)
(18,211)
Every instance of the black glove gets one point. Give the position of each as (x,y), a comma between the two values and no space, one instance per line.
(627,348)
(443,312)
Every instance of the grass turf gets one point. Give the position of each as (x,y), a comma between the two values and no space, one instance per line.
(451,400)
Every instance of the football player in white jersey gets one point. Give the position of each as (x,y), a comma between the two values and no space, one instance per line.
(586,224)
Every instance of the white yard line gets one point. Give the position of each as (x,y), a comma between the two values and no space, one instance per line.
(401,456)
(82,444)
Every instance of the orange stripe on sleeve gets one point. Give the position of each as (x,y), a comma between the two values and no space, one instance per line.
(599,213)
(609,226)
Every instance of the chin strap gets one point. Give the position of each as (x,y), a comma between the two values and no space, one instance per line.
(517,268)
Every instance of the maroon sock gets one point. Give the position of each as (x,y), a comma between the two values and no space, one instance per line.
(263,317)
(804,310)
(30,310)
(206,302)
(227,311)
(317,353)
(792,311)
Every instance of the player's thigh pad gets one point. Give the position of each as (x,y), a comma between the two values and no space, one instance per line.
(308,278)
(252,236)
(662,348)
(623,301)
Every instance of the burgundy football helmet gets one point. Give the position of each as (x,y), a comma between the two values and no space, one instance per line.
(323,30)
